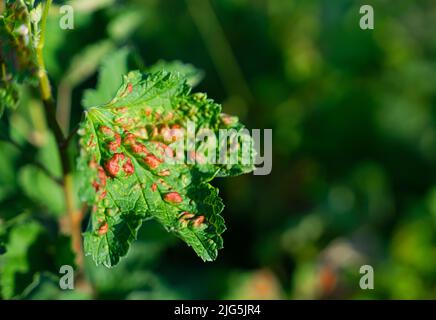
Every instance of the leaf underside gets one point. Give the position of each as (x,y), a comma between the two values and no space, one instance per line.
(126,178)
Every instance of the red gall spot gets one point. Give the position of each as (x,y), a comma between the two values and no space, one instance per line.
(154,187)
(104,227)
(121,120)
(168,151)
(187,215)
(154,132)
(128,167)
(171,135)
(169,116)
(185,218)
(96,186)
(163,149)
(113,166)
(118,138)
(198,157)
(152,161)
(148,112)
(106,131)
(176,133)
(164,173)
(165,131)
(199,221)
(129,88)
(139,148)
(121,109)
(164,184)
(94,208)
(173,197)
(141,133)
(130,139)
(227,119)
(125,123)
(91,142)
(93,163)
(102,176)
(115,144)
(102,195)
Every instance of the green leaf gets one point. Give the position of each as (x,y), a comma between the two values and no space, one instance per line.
(110,77)
(8,157)
(16,262)
(86,62)
(8,96)
(127,175)
(124,24)
(41,189)
(45,286)
(191,73)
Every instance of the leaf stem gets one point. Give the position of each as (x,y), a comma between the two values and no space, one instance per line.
(50,113)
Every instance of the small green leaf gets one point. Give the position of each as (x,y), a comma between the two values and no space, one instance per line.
(8,96)
(127,177)
(15,263)
(8,158)
(41,189)
(110,77)
(124,24)
(191,73)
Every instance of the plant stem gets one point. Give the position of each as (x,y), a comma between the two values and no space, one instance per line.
(50,113)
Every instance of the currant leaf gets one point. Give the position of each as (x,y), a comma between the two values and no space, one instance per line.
(192,74)
(127,175)
(112,69)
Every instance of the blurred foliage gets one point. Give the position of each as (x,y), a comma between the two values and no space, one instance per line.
(353,115)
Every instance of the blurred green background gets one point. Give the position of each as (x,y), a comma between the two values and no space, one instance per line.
(353,115)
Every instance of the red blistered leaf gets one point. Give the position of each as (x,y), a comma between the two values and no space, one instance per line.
(154,187)
(102,195)
(115,144)
(186,215)
(128,167)
(163,149)
(173,197)
(103,229)
(122,109)
(113,165)
(199,221)
(139,148)
(164,173)
(107,131)
(152,161)
(102,176)
(96,186)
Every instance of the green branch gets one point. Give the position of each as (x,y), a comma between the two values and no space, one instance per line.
(50,113)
